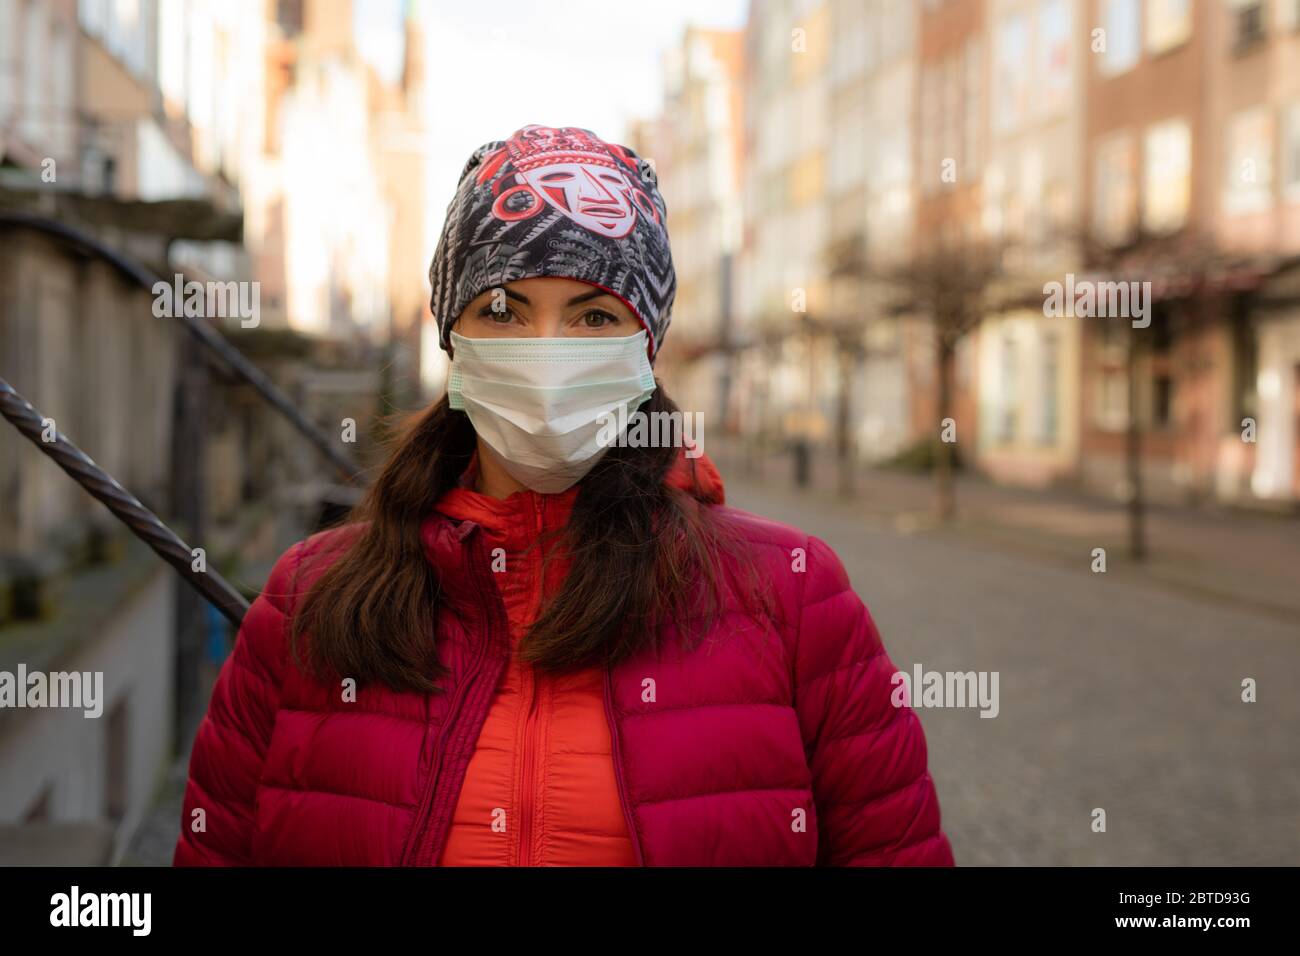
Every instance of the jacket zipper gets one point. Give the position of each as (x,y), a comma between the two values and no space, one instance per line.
(431,788)
(527,803)
(618,768)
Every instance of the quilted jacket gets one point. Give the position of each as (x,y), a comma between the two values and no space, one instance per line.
(771,745)
(540,789)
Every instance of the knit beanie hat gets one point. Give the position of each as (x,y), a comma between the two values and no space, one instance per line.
(556,202)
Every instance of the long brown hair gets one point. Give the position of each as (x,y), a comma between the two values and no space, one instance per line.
(643,554)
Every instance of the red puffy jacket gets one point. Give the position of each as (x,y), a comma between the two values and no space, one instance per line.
(541,788)
(771,747)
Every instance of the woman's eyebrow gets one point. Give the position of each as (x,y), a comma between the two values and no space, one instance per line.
(587,296)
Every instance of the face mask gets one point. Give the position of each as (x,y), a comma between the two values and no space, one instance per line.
(544,404)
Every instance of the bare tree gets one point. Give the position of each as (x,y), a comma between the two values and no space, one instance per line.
(1183,268)
(947,283)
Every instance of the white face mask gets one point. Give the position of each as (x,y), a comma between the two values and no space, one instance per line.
(542,403)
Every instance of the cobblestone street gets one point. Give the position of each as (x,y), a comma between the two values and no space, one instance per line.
(1116,692)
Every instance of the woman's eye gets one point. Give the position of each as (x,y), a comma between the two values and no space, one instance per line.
(599,318)
(499,316)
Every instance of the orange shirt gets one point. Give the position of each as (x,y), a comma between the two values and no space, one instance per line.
(540,789)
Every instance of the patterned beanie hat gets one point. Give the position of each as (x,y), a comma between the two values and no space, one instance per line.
(556,202)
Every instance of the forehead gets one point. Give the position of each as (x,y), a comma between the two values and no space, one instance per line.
(551,287)
(555,289)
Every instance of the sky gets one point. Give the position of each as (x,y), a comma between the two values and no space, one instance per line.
(497,65)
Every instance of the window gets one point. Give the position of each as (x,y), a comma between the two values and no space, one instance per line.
(1162,402)
(93,14)
(895,24)
(1249,169)
(868,56)
(1014,196)
(964,362)
(995,200)
(973,109)
(1032,168)
(1122,23)
(34,91)
(891,132)
(289,16)
(851,43)
(931,118)
(1166,176)
(950,116)
(1049,344)
(1248,17)
(61,131)
(8,56)
(1011,79)
(1111,413)
(1245,352)
(1169,23)
(1054,41)
(1288,14)
(1162,329)
(847,151)
(1114,187)
(950,137)
(1112,341)
(1291,150)
(1006,430)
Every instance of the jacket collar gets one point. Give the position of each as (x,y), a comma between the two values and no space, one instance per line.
(516,521)
(512,522)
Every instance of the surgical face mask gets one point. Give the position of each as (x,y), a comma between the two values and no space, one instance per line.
(544,404)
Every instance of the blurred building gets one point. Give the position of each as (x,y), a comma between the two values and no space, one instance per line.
(398,117)
(951,143)
(871,170)
(1104,140)
(696,149)
(1254,180)
(1148,145)
(783,295)
(150,127)
(320,247)
(1031,196)
(38,94)
(336,221)
(1187,111)
(84,141)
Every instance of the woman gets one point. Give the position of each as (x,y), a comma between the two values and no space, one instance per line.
(540,642)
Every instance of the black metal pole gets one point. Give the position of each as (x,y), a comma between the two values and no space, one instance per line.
(146,526)
(200,329)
